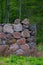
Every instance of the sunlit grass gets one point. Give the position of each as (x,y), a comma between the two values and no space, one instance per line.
(15,60)
(40,47)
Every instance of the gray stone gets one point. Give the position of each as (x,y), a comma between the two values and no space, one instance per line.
(25,21)
(9,36)
(25,47)
(17,38)
(3,49)
(2,35)
(17,27)
(32,44)
(20,52)
(21,41)
(32,27)
(3,42)
(16,35)
(7,28)
(25,33)
(17,21)
(14,47)
(31,39)
(25,26)
(33,33)
(10,42)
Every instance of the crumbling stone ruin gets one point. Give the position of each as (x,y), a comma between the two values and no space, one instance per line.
(18,38)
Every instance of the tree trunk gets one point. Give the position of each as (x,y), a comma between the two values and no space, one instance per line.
(7,11)
(1,6)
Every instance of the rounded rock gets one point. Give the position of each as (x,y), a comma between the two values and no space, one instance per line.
(16,35)
(3,42)
(20,52)
(17,27)
(14,47)
(3,48)
(21,41)
(32,27)
(32,44)
(9,36)
(7,28)
(25,21)
(25,33)
(25,47)
(33,33)
(31,39)
(2,35)
(12,41)
(17,21)
(25,26)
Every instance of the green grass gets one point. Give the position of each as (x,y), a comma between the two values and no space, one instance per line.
(15,60)
(40,47)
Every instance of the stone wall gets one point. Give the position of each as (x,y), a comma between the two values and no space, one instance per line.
(18,38)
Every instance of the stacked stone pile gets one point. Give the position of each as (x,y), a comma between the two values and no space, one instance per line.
(17,38)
